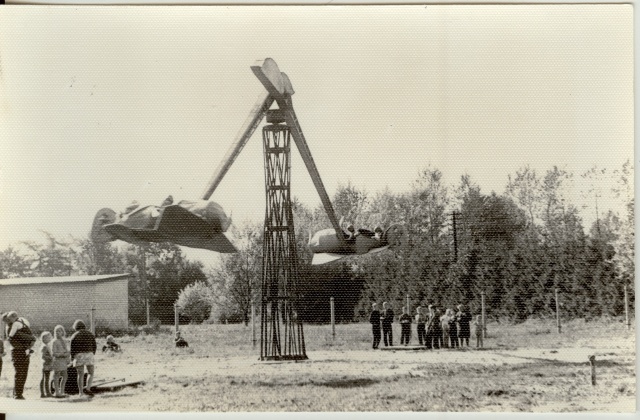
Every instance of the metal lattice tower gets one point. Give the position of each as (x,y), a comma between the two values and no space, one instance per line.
(282,336)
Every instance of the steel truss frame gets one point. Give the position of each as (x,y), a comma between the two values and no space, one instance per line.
(282,335)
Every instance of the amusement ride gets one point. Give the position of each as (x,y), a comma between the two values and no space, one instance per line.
(203,223)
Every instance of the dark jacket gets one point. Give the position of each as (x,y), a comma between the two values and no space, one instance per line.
(83,342)
(464,319)
(374,318)
(22,339)
(405,319)
(387,317)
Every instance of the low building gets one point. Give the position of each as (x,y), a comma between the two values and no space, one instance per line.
(49,301)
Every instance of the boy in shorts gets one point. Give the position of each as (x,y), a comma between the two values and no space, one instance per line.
(83,349)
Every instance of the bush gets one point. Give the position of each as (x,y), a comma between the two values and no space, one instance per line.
(195,301)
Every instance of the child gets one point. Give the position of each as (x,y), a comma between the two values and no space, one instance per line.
(47,364)
(111,345)
(478,324)
(83,349)
(180,342)
(61,360)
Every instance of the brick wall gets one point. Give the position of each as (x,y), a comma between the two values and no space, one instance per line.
(112,303)
(46,305)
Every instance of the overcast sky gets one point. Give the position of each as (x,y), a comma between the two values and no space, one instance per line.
(102,106)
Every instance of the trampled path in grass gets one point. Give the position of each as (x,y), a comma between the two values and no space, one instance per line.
(526,367)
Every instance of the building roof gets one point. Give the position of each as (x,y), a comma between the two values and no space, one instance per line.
(62,279)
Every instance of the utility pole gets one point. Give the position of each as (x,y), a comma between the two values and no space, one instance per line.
(484,321)
(92,320)
(142,269)
(333,318)
(176,316)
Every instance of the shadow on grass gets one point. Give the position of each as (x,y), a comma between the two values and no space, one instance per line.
(349,383)
(332,383)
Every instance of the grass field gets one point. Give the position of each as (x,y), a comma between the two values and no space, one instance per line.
(527,367)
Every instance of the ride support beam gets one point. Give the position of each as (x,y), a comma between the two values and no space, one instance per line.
(254,119)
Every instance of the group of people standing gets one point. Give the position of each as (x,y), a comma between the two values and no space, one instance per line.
(57,352)
(435,328)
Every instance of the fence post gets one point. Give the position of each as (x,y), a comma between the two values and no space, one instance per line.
(142,273)
(626,307)
(92,320)
(558,313)
(484,321)
(253,323)
(592,362)
(176,317)
(333,319)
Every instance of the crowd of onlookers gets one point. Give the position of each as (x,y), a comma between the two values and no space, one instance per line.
(435,328)
(60,356)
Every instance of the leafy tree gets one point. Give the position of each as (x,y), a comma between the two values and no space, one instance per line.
(594,179)
(350,203)
(13,264)
(50,260)
(196,301)
(98,258)
(524,189)
(624,241)
(238,278)
(167,273)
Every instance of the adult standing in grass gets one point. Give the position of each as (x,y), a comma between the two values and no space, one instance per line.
(437,328)
(421,321)
(21,339)
(464,325)
(405,324)
(453,328)
(374,319)
(83,348)
(387,324)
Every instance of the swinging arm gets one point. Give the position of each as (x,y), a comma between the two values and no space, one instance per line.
(279,87)
(256,115)
(303,148)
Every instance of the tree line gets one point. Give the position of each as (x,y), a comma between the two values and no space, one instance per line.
(516,247)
